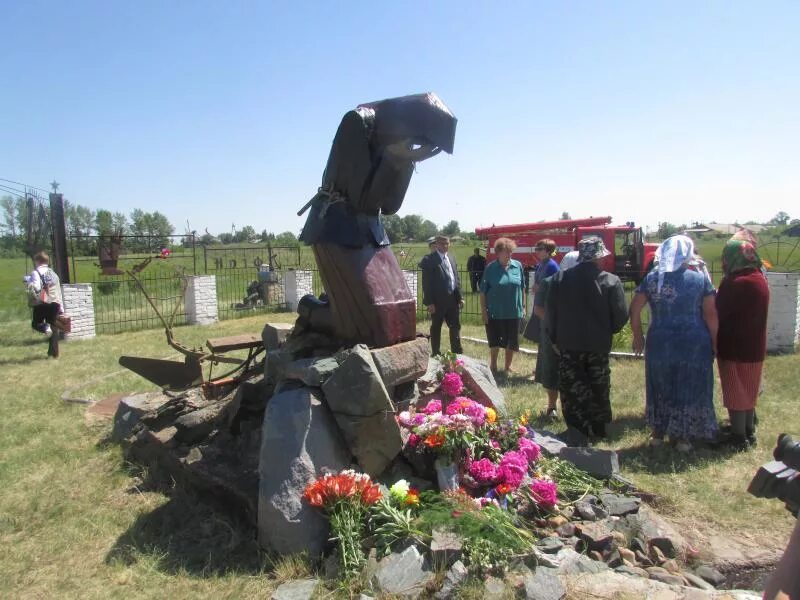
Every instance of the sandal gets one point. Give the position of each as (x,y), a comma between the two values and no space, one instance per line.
(549,413)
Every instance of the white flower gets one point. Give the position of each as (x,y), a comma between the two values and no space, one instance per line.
(400,489)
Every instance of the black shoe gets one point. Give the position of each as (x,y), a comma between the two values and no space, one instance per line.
(737,443)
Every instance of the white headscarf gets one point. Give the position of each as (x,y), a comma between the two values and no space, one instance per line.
(570,260)
(673,253)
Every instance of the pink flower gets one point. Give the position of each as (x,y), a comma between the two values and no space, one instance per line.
(452,384)
(418,419)
(405,419)
(459,362)
(494,444)
(413,440)
(513,468)
(433,406)
(530,449)
(465,406)
(545,493)
(522,430)
(484,471)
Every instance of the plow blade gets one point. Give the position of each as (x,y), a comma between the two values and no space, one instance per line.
(167,374)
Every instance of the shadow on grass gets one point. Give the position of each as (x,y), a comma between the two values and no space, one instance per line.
(23,360)
(666,459)
(190,535)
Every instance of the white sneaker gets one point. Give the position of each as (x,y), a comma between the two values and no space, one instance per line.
(48,332)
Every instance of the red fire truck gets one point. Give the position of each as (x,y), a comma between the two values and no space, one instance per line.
(630,256)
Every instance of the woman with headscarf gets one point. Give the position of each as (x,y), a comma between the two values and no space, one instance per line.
(681,344)
(742,303)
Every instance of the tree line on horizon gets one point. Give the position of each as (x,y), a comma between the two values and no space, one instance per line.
(148,231)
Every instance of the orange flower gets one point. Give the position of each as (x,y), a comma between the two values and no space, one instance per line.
(314,493)
(503,489)
(371,495)
(412,497)
(434,440)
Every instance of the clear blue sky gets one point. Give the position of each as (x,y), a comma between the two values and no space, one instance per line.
(223,112)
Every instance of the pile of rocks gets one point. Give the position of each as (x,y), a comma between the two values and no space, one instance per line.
(320,407)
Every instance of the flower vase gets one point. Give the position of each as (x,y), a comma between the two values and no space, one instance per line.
(446,474)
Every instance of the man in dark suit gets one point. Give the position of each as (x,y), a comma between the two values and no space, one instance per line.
(441,294)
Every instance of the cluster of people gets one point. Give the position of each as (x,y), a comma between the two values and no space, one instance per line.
(691,325)
(577,309)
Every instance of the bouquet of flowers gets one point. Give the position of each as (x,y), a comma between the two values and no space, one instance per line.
(345,498)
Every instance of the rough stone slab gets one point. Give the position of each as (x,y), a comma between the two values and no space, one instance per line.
(311,371)
(711,575)
(619,506)
(572,563)
(632,571)
(361,406)
(402,363)
(274,334)
(446,546)
(198,424)
(548,442)
(697,581)
(483,389)
(429,382)
(132,409)
(664,576)
(480,366)
(299,440)
(455,576)
(404,573)
(596,535)
(603,464)
(550,545)
(544,584)
(298,589)
(275,364)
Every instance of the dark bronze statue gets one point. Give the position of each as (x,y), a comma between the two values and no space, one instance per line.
(368,172)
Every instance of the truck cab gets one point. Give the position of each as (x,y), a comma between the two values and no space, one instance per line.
(630,257)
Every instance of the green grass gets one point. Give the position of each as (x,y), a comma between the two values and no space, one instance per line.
(77,521)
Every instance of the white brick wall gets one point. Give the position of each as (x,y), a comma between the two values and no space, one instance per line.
(411,281)
(79,306)
(297,284)
(783,322)
(201,300)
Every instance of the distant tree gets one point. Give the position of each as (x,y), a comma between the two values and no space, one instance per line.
(287,238)
(119,222)
(451,228)
(394,227)
(565,216)
(781,218)
(103,222)
(245,234)
(152,230)
(665,230)
(9,211)
(794,222)
(428,230)
(225,238)
(412,227)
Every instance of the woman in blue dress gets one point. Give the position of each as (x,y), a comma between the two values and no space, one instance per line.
(680,348)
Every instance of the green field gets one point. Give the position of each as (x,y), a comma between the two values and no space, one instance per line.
(77,521)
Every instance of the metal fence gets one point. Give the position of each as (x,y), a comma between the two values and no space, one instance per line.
(241,291)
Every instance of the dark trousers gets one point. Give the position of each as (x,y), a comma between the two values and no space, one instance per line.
(585,385)
(47,313)
(446,313)
(475,279)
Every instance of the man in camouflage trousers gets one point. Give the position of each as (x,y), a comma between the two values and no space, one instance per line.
(586,307)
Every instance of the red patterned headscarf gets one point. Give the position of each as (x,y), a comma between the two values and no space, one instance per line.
(740,253)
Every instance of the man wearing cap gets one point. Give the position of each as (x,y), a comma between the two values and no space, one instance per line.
(441,294)
(585,308)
